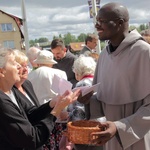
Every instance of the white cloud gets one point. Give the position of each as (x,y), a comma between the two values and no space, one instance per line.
(47,18)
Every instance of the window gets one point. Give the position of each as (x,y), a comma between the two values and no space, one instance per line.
(9,44)
(6,27)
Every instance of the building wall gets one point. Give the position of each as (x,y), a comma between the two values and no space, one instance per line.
(10,35)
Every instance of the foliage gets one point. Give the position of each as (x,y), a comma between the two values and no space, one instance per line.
(103,44)
(40,40)
(139,28)
(132,27)
(31,42)
(69,38)
(143,27)
(81,37)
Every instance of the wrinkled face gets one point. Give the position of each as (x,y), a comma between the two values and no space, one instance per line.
(78,77)
(11,70)
(23,71)
(92,44)
(107,26)
(59,52)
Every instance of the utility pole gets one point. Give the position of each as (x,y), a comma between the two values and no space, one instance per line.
(25,29)
(94,11)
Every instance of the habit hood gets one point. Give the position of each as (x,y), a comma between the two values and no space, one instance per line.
(124,74)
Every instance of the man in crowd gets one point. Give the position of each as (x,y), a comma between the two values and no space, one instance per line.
(64,58)
(90,44)
(32,54)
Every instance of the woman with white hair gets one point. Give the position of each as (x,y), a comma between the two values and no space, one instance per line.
(32,54)
(22,125)
(84,68)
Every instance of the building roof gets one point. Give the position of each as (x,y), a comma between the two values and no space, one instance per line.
(147,39)
(18,20)
(78,46)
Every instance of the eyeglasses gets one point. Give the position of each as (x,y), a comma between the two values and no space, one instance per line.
(24,66)
(100,22)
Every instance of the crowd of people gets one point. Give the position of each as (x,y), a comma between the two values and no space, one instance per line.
(33,115)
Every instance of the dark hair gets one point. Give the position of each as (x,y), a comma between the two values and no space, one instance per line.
(57,42)
(90,37)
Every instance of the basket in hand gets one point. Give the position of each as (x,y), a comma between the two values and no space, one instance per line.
(78,132)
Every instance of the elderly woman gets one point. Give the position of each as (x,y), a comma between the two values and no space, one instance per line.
(44,76)
(84,68)
(24,126)
(24,85)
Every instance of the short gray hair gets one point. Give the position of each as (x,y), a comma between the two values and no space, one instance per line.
(32,53)
(84,65)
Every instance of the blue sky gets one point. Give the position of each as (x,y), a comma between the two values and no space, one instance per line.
(46,18)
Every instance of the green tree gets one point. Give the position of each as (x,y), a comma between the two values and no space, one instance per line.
(36,40)
(132,27)
(55,37)
(81,37)
(68,38)
(103,44)
(143,27)
(42,39)
(60,36)
(32,43)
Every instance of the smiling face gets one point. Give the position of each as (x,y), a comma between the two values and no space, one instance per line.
(23,71)
(10,72)
(22,59)
(107,28)
(112,22)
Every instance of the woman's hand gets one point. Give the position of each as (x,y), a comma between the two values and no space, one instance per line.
(63,115)
(62,101)
(100,138)
(53,101)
